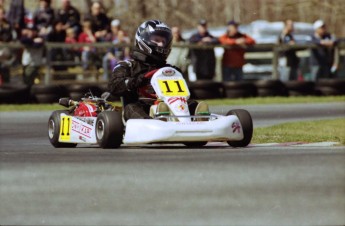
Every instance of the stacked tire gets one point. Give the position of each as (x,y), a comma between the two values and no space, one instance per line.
(239,89)
(205,89)
(78,91)
(45,94)
(300,88)
(331,87)
(268,88)
(14,94)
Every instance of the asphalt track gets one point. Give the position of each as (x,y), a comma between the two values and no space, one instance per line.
(171,185)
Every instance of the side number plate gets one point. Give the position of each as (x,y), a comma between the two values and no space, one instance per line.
(65,128)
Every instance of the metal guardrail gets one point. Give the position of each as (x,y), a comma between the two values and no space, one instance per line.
(276,49)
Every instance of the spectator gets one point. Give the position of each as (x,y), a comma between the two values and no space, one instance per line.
(6,57)
(114,29)
(87,37)
(69,16)
(33,54)
(233,58)
(57,35)
(115,54)
(178,55)
(16,16)
(203,60)
(289,59)
(44,18)
(322,58)
(5,28)
(71,39)
(99,20)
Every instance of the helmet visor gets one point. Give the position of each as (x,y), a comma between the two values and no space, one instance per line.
(158,38)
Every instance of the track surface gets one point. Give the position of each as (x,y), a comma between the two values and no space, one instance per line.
(171,184)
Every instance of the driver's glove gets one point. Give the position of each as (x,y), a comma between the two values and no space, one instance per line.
(134,83)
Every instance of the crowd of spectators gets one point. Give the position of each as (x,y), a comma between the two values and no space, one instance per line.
(66,24)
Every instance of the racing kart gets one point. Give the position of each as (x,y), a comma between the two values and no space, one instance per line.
(94,120)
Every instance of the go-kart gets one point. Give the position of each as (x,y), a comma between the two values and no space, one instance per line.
(94,120)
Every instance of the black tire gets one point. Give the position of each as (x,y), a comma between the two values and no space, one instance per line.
(47,93)
(47,98)
(197,144)
(14,94)
(247,127)
(109,129)
(336,83)
(239,89)
(300,88)
(77,91)
(330,91)
(271,88)
(205,89)
(271,92)
(54,130)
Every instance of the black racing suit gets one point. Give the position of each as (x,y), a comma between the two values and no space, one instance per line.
(128,76)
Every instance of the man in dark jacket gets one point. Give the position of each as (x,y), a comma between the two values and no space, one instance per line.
(203,60)
(69,16)
(287,38)
(153,41)
(322,57)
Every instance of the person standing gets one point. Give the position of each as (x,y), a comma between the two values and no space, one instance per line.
(203,60)
(44,18)
(178,55)
(291,60)
(322,57)
(100,22)
(16,15)
(6,57)
(233,58)
(87,36)
(69,16)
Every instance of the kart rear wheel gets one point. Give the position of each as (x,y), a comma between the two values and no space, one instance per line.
(195,144)
(109,129)
(54,130)
(247,127)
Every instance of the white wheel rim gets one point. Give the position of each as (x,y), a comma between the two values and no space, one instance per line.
(100,129)
(51,129)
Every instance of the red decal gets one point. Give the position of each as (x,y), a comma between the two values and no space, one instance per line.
(174,99)
(236,126)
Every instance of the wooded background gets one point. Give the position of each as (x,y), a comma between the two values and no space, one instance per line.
(186,13)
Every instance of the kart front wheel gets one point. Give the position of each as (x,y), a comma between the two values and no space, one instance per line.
(54,130)
(109,129)
(247,127)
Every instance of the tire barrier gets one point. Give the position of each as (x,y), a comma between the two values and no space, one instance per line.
(78,91)
(331,87)
(205,89)
(268,88)
(240,89)
(14,94)
(300,88)
(45,94)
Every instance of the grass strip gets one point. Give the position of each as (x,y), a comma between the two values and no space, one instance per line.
(226,101)
(332,130)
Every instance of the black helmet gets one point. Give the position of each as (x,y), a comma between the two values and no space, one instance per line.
(147,33)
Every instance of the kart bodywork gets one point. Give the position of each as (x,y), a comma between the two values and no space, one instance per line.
(95,121)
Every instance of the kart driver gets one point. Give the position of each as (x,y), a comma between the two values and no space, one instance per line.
(153,42)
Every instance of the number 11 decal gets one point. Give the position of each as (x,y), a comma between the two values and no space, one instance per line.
(166,83)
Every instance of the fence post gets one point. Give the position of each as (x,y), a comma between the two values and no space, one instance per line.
(275,74)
